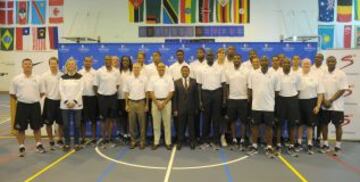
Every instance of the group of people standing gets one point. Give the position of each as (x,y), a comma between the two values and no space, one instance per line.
(202,100)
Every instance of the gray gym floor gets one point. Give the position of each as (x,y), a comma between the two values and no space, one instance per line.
(122,164)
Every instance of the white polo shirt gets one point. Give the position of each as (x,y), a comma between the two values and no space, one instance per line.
(319,71)
(175,70)
(107,81)
(161,86)
(263,88)
(71,90)
(334,82)
(136,87)
(124,76)
(88,78)
(310,86)
(211,77)
(237,79)
(289,84)
(273,71)
(247,64)
(51,84)
(298,71)
(195,68)
(27,89)
(151,70)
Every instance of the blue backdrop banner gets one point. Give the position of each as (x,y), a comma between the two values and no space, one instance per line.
(168,50)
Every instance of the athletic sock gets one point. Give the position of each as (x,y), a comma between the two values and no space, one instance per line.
(38,143)
(326,143)
(338,144)
(21,146)
(254,145)
(309,142)
(299,141)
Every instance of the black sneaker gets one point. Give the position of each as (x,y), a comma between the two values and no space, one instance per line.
(337,151)
(66,148)
(269,152)
(40,148)
(310,150)
(242,147)
(253,151)
(52,145)
(22,152)
(77,147)
(291,152)
(298,147)
(324,149)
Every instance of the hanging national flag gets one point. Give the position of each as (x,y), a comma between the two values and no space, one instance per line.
(206,11)
(7,39)
(22,12)
(347,36)
(326,33)
(38,12)
(357,37)
(56,11)
(6,12)
(187,11)
(39,38)
(153,10)
(344,10)
(241,11)
(53,37)
(170,11)
(357,10)
(136,11)
(223,11)
(23,38)
(326,10)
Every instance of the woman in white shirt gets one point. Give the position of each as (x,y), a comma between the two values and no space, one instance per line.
(71,89)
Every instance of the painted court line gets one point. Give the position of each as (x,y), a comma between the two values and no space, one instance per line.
(292,169)
(226,167)
(111,166)
(5,121)
(345,164)
(170,165)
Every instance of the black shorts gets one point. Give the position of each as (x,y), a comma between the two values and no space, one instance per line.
(90,109)
(289,110)
(52,112)
(336,117)
(307,116)
(259,117)
(121,108)
(237,109)
(107,106)
(27,114)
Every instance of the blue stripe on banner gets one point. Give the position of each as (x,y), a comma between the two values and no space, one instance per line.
(111,166)
(223,158)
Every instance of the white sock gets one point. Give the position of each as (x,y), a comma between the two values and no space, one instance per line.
(326,143)
(309,142)
(291,145)
(299,141)
(38,143)
(279,144)
(268,147)
(241,140)
(254,145)
(338,144)
(21,146)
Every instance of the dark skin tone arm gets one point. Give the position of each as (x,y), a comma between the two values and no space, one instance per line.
(225,90)
(336,96)
(200,100)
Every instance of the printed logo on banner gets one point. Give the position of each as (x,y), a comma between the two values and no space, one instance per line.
(123,49)
(288,48)
(191,59)
(164,49)
(347,119)
(309,48)
(184,48)
(245,48)
(64,49)
(103,49)
(143,48)
(172,60)
(348,91)
(83,49)
(267,48)
(348,60)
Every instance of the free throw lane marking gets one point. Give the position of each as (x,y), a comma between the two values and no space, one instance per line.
(292,169)
(170,165)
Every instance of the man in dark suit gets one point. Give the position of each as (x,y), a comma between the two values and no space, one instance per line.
(185,106)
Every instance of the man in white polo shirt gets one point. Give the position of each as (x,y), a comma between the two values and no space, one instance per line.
(248,63)
(263,87)
(106,85)
(237,97)
(289,84)
(151,69)
(175,69)
(211,88)
(27,90)
(136,104)
(51,111)
(161,88)
(90,103)
(335,84)
(195,68)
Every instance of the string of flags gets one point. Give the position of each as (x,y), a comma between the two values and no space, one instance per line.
(30,24)
(337,27)
(189,11)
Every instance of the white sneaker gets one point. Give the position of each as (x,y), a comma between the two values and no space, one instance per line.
(223,141)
